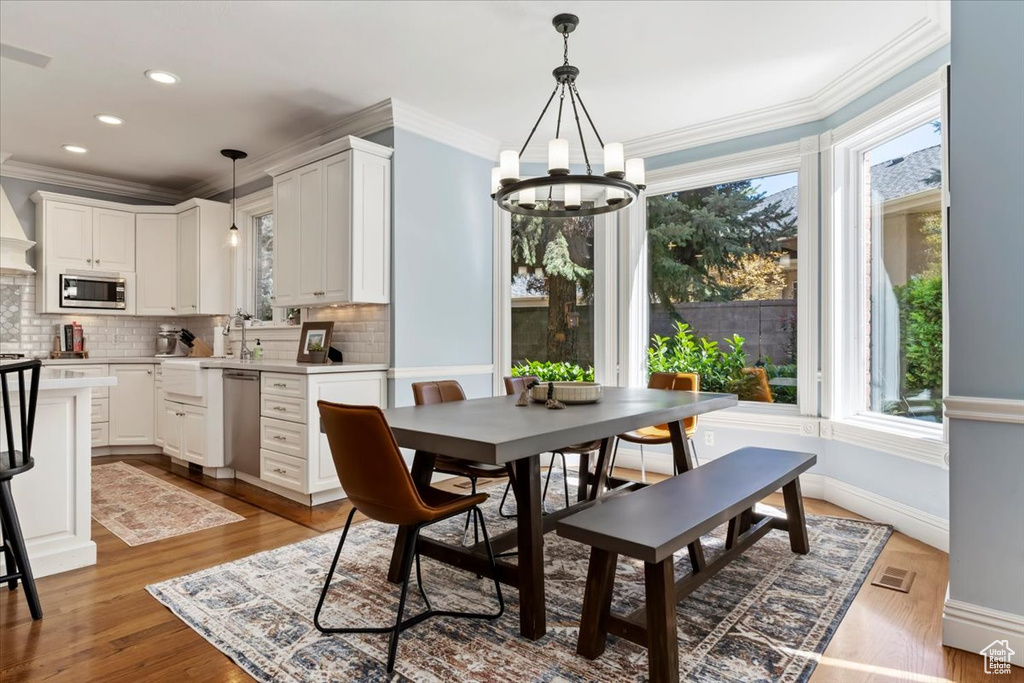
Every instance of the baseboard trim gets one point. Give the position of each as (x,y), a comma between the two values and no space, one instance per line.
(53,556)
(99,451)
(918,524)
(970,627)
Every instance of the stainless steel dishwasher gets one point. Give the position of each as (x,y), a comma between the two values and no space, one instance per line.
(242,421)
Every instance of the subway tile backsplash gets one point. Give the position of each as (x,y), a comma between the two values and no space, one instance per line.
(362,332)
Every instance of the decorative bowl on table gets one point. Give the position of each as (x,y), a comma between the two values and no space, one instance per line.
(568,392)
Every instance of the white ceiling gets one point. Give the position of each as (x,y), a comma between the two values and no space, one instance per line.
(259,75)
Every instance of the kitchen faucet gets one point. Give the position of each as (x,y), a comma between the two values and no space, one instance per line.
(245,353)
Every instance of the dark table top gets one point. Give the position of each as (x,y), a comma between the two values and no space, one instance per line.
(495,431)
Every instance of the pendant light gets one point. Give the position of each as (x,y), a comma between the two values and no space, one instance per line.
(234,155)
(562,194)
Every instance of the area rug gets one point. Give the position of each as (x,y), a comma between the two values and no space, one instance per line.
(140,508)
(760,619)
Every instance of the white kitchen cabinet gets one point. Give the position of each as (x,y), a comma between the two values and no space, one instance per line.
(156,256)
(294,455)
(172,428)
(132,410)
(332,225)
(193,431)
(113,240)
(67,242)
(188,261)
(181,253)
(158,403)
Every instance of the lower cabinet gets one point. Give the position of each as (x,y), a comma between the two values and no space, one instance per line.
(158,402)
(185,434)
(132,405)
(293,452)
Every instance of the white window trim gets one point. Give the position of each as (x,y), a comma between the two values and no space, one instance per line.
(846,418)
(605,319)
(246,209)
(800,157)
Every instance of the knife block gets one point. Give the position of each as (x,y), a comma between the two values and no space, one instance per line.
(200,349)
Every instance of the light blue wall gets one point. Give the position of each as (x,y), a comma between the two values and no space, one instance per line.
(442,254)
(916,72)
(986,300)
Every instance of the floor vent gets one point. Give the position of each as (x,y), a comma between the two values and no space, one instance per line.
(895,579)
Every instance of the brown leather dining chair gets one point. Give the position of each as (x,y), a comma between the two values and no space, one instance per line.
(517,385)
(445,391)
(659,434)
(379,485)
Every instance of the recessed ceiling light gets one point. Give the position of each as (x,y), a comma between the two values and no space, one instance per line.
(165,77)
(75,149)
(109,119)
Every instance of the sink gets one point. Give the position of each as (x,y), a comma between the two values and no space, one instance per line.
(184,377)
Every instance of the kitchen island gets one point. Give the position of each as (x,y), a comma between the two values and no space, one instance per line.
(54,497)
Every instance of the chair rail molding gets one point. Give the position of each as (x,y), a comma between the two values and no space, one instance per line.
(86,181)
(970,627)
(434,371)
(984,409)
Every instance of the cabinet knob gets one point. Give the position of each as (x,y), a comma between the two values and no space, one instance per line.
(97,260)
(193,305)
(88,260)
(173,308)
(149,372)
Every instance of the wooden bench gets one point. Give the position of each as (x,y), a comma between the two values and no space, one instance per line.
(653,523)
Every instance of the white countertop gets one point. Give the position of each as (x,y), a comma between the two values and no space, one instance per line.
(285,366)
(54,378)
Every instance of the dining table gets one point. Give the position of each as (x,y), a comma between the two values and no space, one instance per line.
(497,431)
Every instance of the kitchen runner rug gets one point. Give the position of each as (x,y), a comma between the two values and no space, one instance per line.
(765,617)
(139,508)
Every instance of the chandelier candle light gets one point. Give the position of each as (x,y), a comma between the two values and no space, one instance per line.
(234,155)
(561,194)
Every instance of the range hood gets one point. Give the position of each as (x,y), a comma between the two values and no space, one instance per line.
(14,245)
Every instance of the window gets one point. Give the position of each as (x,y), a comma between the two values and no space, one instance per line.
(552,292)
(901,228)
(263,266)
(722,285)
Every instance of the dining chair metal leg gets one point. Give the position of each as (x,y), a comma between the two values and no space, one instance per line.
(410,556)
(615,452)
(465,529)
(22,569)
(693,451)
(643,468)
(504,497)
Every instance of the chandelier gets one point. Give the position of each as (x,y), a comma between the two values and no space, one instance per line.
(562,194)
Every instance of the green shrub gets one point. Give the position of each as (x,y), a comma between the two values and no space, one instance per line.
(720,369)
(553,372)
(920,302)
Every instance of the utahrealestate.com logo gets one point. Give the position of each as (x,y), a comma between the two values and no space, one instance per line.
(997,657)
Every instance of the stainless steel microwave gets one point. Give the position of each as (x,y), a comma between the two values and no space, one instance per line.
(92,291)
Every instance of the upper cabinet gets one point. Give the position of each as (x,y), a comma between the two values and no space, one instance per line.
(175,260)
(332,225)
(86,238)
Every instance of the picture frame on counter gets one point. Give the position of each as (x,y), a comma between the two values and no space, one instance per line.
(314,342)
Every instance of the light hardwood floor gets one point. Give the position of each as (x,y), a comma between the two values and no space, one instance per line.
(100,624)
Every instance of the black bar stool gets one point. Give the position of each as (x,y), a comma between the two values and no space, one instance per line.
(14,462)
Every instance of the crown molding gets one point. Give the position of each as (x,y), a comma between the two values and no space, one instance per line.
(364,122)
(416,120)
(86,181)
(921,39)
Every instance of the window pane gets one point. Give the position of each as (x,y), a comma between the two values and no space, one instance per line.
(722,285)
(902,188)
(263,232)
(552,295)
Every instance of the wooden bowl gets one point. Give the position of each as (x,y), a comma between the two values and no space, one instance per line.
(568,393)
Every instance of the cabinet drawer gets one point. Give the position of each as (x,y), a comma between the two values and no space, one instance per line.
(283,470)
(278,384)
(283,407)
(284,437)
(100,409)
(100,434)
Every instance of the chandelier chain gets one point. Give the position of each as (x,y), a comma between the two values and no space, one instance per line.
(565,53)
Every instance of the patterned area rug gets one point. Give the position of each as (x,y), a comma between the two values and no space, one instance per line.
(140,508)
(757,620)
